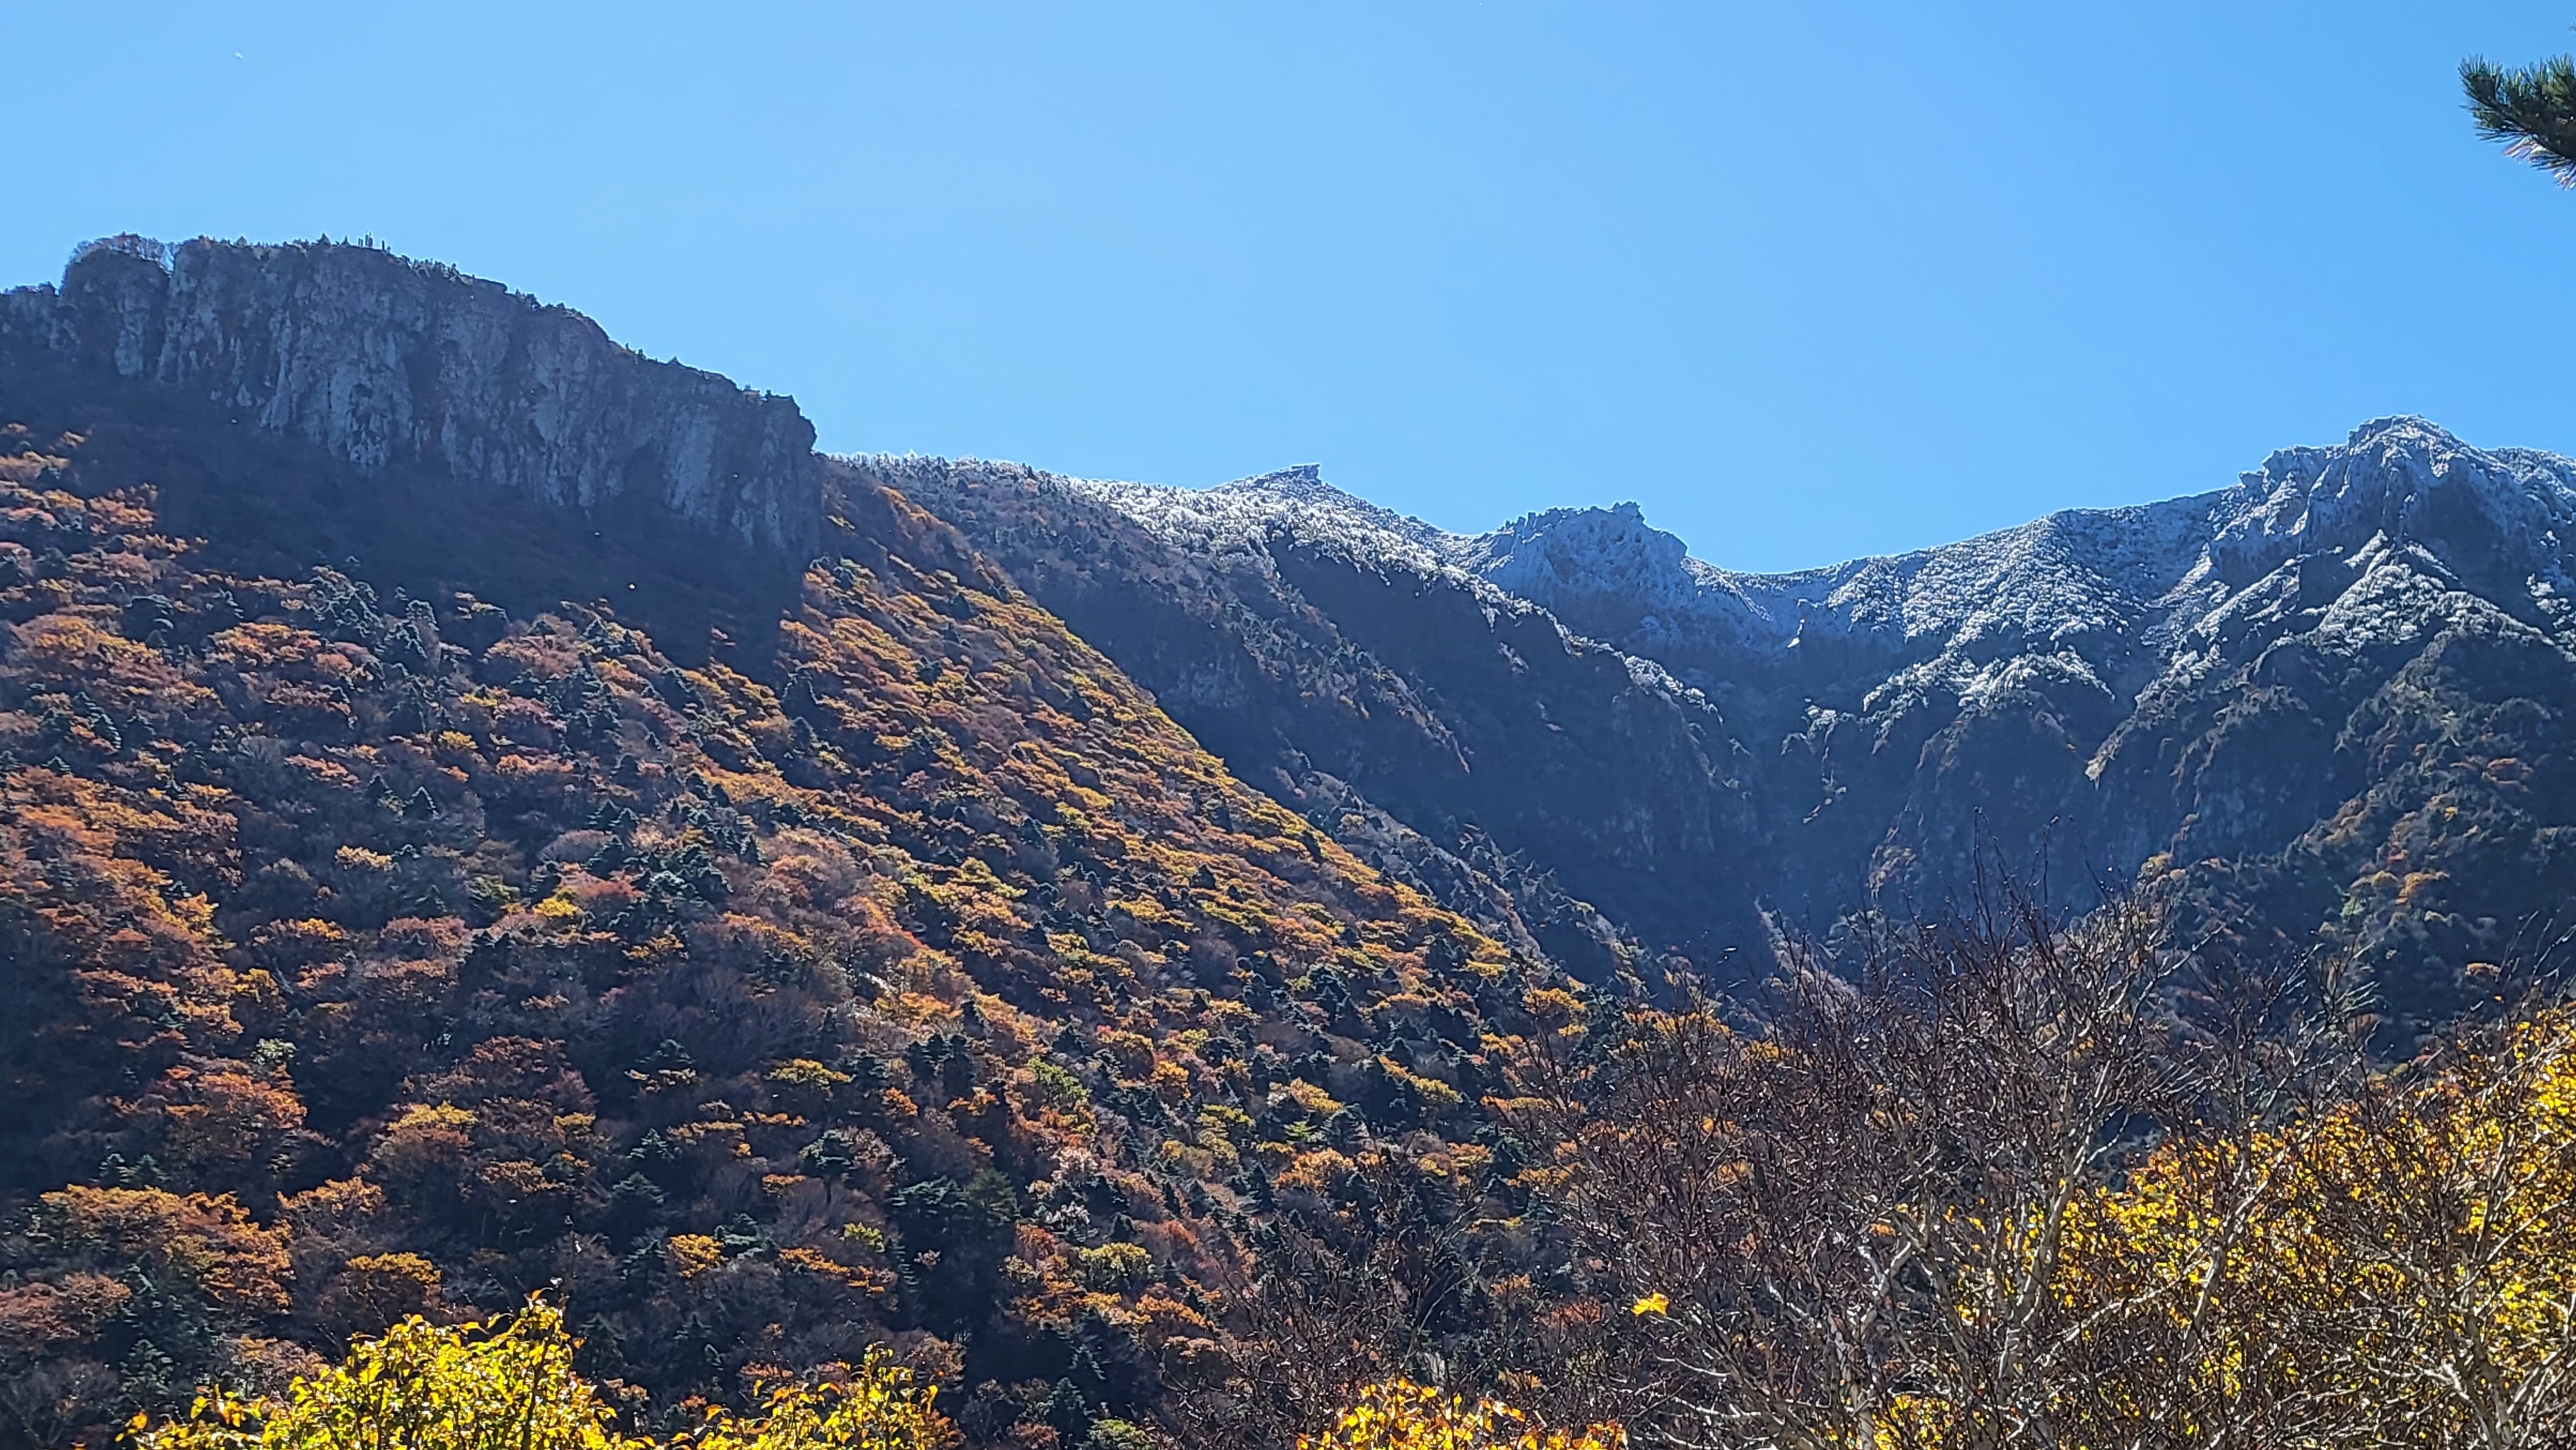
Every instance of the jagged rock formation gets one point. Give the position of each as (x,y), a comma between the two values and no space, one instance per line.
(2304,703)
(385,363)
(2350,672)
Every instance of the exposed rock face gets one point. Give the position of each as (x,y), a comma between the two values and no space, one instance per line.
(2178,679)
(387,363)
(2332,705)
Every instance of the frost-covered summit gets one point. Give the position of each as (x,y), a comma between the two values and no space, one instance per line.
(2427,500)
(1288,503)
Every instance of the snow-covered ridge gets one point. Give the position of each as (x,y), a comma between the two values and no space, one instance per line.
(2073,574)
(1292,503)
(1242,522)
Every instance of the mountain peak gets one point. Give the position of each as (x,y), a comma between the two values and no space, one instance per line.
(2402,479)
(1303,487)
(1295,480)
(2405,426)
(1556,554)
(1294,501)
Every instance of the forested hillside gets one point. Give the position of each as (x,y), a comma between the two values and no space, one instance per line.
(893,970)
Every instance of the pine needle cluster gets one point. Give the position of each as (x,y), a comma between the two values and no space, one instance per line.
(2531,109)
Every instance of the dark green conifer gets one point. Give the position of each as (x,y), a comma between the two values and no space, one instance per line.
(2531,109)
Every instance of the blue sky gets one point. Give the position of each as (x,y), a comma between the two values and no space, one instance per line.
(1807,280)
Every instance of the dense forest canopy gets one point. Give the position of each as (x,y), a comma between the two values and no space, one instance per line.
(375,953)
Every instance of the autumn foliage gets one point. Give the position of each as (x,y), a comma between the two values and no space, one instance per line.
(2014,1183)
(1401,1415)
(510,1385)
(895,974)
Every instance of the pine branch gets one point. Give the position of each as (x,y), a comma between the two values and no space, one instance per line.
(2531,110)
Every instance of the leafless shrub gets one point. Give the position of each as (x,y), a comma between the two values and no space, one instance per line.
(1857,1219)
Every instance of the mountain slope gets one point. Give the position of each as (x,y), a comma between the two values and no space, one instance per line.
(1301,633)
(876,963)
(487,811)
(2264,697)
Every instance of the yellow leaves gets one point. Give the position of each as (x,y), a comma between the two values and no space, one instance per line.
(1911,1421)
(429,1118)
(1319,1171)
(1311,1098)
(1133,1052)
(1170,1081)
(695,1254)
(804,1072)
(1437,1097)
(2431,1213)
(372,1290)
(359,858)
(877,1406)
(1220,1122)
(1553,1004)
(875,1283)
(1655,1303)
(1402,1415)
(421,1386)
(1112,1267)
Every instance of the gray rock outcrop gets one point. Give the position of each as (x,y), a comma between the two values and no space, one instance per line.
(387,363)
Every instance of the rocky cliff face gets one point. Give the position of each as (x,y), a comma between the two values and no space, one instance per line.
(388,364)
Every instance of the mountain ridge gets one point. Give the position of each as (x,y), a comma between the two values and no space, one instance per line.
(1546,554)
(2082,695)
(458,842)
(1669,755)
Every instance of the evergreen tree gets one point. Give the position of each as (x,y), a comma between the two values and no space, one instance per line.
(2532,110)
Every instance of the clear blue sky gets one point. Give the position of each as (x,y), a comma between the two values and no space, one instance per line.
(1807,280)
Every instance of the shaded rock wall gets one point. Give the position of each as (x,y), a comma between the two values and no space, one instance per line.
(385,362)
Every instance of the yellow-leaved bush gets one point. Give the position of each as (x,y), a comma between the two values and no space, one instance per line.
(510,1385)
(2405,1259)
(1402,1415)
